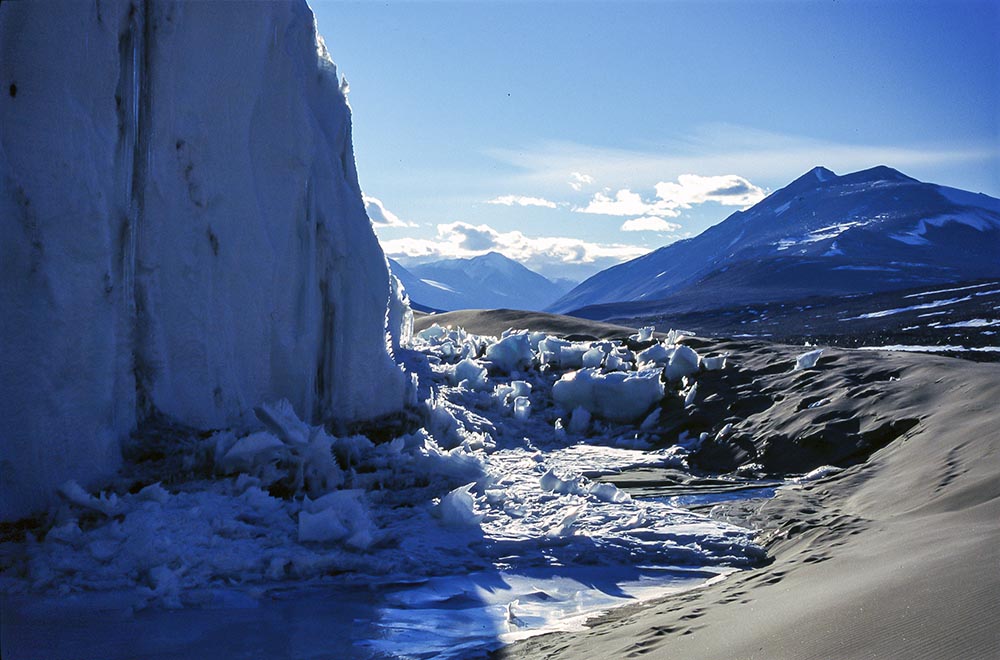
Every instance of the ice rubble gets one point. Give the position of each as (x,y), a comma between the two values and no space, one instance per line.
(479,487)
(616,396)
(183,233)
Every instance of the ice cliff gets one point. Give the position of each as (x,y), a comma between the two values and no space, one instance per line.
(182,232)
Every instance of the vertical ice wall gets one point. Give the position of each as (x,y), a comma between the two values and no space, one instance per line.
(182,232)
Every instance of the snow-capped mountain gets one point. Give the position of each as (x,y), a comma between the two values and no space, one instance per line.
(486,282)
(822,234)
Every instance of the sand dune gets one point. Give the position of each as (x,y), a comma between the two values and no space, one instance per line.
(895,557)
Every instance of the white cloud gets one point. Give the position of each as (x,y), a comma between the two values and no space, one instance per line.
(381,216)
(650,223)
(579,180)
(520,200)
(690,189)
(626,202)
(549,255)
(728,190)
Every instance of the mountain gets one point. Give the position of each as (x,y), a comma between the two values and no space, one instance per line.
(489,281)
(416,288)
(823,234)
(182,233)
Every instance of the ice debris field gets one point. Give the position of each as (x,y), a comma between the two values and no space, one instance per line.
(482,525)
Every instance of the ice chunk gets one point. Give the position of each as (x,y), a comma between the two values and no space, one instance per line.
(644,334)
(535,338)
(614,362)
(506,393)
(351,449)
(571,357)
(593,357)
(808,360)
(510,353)
(550,350)
(607,492)
(250,452)
(340,515)
(819,473)
(553,483)
(565,526)
(323,527)
(522,408)
(655,354)
(315,469)
(431,333)
(714,363)
(471,373)
(106,504)
(675,337)
(683,362)
(303,463)
(615,396)
(281,419)
(458,508)
(690,396)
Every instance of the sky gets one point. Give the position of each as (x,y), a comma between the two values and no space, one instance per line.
(572,136)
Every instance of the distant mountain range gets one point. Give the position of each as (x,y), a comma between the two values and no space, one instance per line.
(822,235)
(489,281)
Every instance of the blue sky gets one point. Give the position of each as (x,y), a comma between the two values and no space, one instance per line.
(572,135)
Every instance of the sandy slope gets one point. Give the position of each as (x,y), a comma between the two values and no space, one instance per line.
(495,321)
(896,557)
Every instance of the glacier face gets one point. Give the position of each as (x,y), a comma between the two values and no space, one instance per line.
(183,232)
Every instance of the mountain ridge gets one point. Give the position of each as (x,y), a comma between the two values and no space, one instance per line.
(487,281)
(822,234)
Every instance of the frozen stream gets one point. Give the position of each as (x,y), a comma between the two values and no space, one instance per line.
(483,527)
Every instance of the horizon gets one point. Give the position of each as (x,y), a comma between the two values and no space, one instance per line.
(469,136)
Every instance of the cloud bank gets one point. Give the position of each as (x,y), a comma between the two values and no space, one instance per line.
(549,255)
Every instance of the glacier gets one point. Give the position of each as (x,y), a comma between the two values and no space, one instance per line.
(184,235)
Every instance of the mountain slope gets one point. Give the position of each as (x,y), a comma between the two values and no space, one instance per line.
(417,290)
(823,234)
(485,282)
